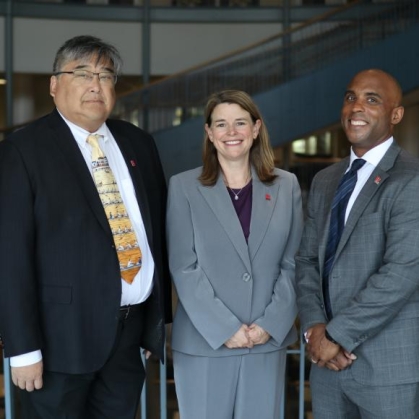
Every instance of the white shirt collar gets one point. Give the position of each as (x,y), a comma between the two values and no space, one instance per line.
(374,155)
(80,134)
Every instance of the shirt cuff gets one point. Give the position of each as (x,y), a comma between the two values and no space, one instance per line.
(26,359)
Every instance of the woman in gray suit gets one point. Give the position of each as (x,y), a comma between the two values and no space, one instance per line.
(234,225)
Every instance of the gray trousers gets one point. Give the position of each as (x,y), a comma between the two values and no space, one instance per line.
(336,395)
(232,387)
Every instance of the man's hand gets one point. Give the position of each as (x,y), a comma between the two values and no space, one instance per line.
(258,335)
(342,360)
(320,349)
(28,378)
(240,339)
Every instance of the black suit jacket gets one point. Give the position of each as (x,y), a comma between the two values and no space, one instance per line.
(60,285)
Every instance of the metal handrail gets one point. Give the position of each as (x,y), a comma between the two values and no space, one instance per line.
(268,63)
(9,391)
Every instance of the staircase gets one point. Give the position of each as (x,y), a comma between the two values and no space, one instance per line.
(297,77)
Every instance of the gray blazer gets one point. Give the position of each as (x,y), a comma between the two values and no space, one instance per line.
(374,283)
(222,282)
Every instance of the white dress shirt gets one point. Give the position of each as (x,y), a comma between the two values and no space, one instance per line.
(372,158)
(141,287)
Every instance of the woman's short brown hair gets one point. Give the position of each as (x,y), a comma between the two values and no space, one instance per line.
(261,154)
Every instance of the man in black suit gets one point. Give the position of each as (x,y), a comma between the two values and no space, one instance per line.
(70,322)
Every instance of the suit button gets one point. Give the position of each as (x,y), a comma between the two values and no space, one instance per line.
(246,277)
(113,246)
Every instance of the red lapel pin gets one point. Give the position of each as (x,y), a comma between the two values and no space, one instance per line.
(377,180)
(132,163)
(268,197)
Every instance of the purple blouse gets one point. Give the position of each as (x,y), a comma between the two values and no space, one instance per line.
(242,201)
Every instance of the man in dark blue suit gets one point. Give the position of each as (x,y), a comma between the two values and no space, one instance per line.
(71,320)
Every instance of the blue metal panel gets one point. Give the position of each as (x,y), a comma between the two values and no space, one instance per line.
(301,106)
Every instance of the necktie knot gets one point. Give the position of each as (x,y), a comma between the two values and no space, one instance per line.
(93,141)
(356,165)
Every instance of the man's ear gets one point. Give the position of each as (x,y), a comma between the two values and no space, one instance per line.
(397,115)
(52,85)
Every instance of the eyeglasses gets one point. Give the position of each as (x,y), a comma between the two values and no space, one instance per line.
(86,76)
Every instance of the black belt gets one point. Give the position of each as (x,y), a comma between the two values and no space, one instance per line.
(128,311)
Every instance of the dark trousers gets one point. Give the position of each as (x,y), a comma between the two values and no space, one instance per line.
(113,392)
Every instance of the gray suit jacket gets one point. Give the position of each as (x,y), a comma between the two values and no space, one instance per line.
(374,283)
(221,281)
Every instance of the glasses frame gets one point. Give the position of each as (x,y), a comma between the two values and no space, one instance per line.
(115,77)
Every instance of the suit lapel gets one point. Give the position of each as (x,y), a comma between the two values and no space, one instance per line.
(137,177)
(263,204)
(374,183)
(72,155)
(220,203)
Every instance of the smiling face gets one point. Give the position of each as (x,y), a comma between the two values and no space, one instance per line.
(371,109)
(86,104)
(232,132)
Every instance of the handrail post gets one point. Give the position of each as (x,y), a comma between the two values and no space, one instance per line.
(163,386)
(301,383)
(143,402)
(8,390)
(286,41)
(8,47)
(146,62)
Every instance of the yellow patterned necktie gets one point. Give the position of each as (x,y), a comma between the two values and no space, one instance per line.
(128,249)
